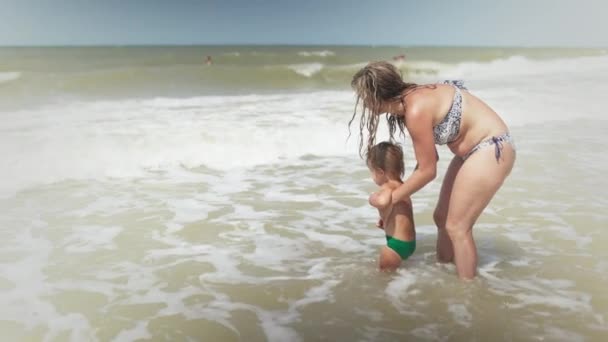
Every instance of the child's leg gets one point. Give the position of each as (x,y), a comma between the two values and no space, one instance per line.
(389,259)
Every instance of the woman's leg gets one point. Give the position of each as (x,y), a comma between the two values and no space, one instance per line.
(474,186)
(445,252)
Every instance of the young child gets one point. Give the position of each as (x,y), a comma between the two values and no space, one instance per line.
(385,162)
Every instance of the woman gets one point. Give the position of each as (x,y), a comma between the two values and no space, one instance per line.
(441,114)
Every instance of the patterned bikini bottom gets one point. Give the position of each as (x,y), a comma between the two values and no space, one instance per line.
(497,141)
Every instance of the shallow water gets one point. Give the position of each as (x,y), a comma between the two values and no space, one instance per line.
(287,251)
(227,218)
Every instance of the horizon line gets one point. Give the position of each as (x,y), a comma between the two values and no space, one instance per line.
(298,45)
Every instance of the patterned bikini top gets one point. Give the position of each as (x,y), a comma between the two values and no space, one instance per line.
(447,130)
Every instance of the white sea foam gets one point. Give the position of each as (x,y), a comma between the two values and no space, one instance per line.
(91,238)
(323,53)
(460,313)
(9,76)
(519,66)
(307,70)
(128,138)
(397,290)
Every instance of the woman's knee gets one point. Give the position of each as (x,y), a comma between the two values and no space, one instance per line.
(458,230)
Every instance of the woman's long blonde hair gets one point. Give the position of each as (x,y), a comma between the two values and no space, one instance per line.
(375,84)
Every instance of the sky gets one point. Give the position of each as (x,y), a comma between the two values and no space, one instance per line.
(568,23)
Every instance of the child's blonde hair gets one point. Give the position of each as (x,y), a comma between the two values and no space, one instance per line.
(387,157)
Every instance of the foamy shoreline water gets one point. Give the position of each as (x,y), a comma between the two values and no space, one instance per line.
(287,252)
(244,216)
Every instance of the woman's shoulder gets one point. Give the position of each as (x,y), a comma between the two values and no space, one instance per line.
(425,96)
(420,99)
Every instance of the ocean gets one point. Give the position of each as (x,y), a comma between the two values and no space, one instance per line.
(147,195)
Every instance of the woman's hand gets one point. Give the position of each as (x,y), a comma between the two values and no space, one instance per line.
(380,224)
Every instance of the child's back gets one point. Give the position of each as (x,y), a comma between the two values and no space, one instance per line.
(399,222)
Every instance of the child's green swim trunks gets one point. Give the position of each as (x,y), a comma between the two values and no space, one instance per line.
(403,248)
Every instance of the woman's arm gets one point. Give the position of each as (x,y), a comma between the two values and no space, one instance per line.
(420,127)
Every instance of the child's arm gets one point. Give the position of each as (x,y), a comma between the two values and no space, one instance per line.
(381,199)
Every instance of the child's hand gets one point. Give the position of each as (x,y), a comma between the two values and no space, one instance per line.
(380,224)
(380,199)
